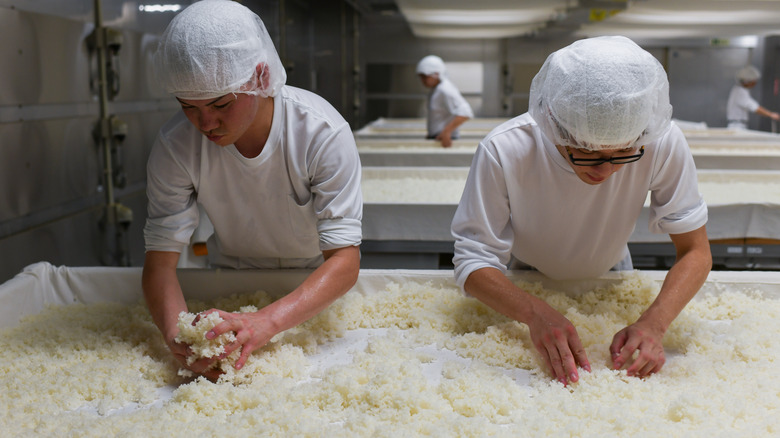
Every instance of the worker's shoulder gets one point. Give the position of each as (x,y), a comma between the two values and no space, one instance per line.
(177,128)
(672,137)
(515,132)
(305,102)
(447,86)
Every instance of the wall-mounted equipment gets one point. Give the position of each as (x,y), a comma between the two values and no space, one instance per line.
(109,41)
(114,132)
(109,132)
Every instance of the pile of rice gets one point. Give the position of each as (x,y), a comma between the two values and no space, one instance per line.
(413,190)
(192,332)
(417,190)
(415,359)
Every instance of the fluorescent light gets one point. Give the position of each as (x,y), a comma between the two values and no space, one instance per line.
(477,18)
(159,8)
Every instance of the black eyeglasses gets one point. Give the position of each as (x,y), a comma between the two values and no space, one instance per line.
(625,159)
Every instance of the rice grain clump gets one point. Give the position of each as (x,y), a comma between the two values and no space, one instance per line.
(192,331)
(411,358)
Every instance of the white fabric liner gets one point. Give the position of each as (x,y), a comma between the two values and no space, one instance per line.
(42,284)
(757,215)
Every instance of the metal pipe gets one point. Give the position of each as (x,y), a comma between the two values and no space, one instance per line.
(343,50)
(104,129)
(282,49)
(117,216)
(357,71)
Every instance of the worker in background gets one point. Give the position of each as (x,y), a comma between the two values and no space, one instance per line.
(740,105)
(275,167)
(560,188)
(447,109)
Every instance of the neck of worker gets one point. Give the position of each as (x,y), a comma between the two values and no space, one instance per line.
(253,141)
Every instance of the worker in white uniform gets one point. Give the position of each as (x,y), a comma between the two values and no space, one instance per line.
(560,188)
(447,109)
(740,104)
(275,168)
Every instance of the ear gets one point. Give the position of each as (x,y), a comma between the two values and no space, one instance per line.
(263,75)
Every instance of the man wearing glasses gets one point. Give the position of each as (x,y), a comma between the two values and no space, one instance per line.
(560,188)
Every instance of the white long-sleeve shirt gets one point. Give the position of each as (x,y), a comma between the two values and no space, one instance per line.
(300,196)
(445,103)
(523,199)
(739,106)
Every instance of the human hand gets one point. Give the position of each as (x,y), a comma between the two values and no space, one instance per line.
(647,339)
(774,116)
(252,331)
(559,344)
(445,138)
(201,366)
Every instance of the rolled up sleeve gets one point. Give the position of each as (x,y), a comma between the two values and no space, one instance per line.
(172,210)
(336,188)
(481,225)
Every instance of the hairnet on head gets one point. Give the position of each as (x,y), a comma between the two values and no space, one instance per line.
(431,64)
(601,93)
(212,48)
(748,74)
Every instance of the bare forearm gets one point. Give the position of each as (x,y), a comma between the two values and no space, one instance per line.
(162,291)
(681,284)
(491,286)
(455,123)
(553,336)
(322,287)
(766,113)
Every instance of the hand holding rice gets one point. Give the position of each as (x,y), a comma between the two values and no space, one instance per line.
(193,330)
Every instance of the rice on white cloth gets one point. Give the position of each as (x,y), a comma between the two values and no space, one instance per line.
(192,332)
(434,363)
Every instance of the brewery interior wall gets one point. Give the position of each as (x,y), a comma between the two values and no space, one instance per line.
(358,56)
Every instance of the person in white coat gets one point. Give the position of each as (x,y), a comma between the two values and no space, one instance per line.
(275,168)
(447,109)
(559,189)
(740,104)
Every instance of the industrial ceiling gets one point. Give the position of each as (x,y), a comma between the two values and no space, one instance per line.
(639,19)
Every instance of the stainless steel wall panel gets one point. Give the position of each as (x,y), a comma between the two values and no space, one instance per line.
(51,202)
(50,166)
(700,79)
(44,164)
(71,9)
(142,129)
(21,67)
(72,240)
(770,85)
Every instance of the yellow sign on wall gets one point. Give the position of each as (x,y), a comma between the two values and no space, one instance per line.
(602,14)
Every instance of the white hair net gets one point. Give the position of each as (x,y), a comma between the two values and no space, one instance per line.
(748,74)
(601,93)
(431,64)
(212,48)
